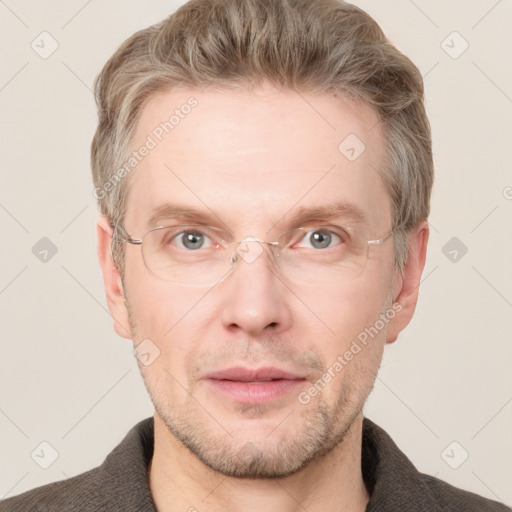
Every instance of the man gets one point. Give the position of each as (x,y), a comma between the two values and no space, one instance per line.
(263,170)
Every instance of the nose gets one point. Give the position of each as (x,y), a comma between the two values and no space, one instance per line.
(255,297)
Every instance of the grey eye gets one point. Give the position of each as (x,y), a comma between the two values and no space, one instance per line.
(192,239)
(320,239)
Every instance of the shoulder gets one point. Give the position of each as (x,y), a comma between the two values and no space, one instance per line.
(119,484)
(453,499)
(76,493)
(395,483)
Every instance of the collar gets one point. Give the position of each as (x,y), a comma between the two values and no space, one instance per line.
(390,477)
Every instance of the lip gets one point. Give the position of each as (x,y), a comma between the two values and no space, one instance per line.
(254,386)
(241,374)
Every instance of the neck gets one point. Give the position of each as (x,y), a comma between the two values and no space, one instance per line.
(180,481)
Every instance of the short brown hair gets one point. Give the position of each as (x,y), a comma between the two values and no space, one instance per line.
(316,46)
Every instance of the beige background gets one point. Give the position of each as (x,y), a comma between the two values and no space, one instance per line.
(69,380)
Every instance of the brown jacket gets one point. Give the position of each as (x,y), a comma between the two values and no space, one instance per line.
(120,484)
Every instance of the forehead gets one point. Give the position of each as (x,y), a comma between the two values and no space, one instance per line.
(255,156)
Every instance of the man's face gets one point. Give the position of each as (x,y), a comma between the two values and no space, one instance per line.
(250,160)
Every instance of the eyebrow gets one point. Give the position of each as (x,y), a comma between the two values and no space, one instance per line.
(350,214)
(178,212)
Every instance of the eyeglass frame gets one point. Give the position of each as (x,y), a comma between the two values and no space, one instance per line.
(235,256)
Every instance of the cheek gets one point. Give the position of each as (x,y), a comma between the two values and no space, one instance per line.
(348,310)
(173,319)
(356,336)
(166,318)
(157,307)
(352,357)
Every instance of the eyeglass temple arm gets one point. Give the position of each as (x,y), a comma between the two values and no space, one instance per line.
(130,241)
(380,240)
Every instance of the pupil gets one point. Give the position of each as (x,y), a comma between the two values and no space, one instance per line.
(193,240)
(321,239)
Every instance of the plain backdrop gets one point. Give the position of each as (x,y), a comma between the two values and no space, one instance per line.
(444,391)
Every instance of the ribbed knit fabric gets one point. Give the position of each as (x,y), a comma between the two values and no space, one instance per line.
(121,484)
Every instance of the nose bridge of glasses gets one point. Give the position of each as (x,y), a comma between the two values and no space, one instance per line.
(250,252)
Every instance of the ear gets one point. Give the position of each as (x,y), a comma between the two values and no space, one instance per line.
(112,278)
(406,286)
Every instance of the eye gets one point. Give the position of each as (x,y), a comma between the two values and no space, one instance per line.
(192,240)
(320,239)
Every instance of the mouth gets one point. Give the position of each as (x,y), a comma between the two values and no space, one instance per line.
(254,386)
